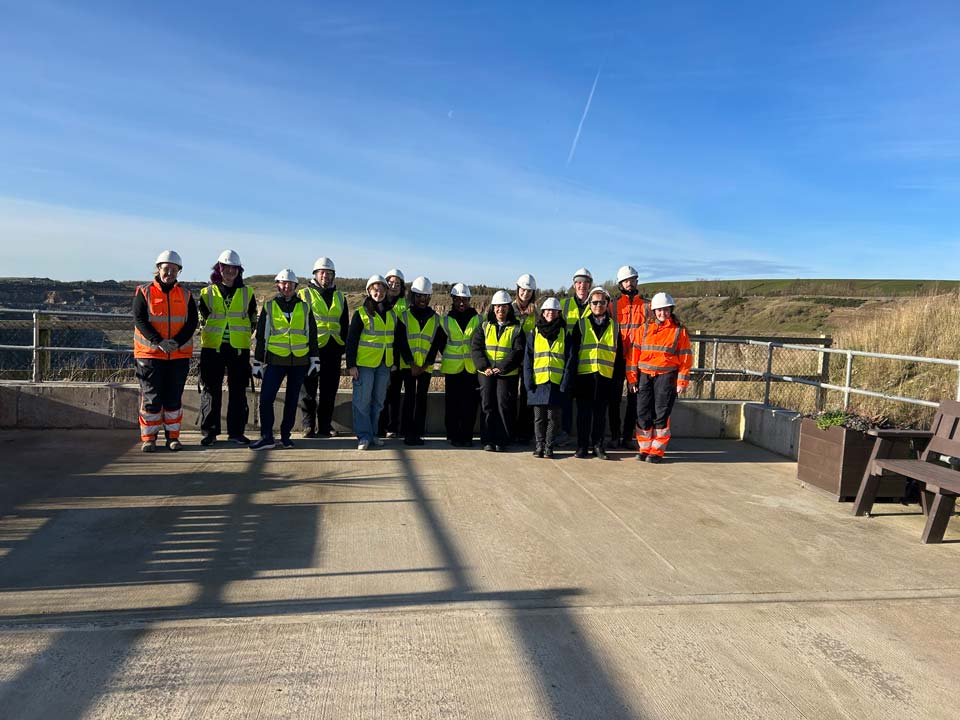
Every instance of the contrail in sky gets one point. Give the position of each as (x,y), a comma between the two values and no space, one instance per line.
(576,138)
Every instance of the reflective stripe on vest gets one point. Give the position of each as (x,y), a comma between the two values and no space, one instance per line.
(456,353)
(376,339)
(548,358)
(496,348)
(235,320)
(597,355)
(167,313)
(659,349)
(419,339)
(573,314)
(327,318)
(283,336)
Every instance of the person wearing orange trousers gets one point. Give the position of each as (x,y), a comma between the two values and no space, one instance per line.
(165,318)
(658,370)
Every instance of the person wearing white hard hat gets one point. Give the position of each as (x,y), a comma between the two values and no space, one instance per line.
(228,314)
(461,389)
(525,307)
(658,370)
(369,358)
(165,318)
(549,367)
(574,308)
(319,392)
(417,345)
(497,352)
(630,311)
(600,346)
(389,422)
(286,349)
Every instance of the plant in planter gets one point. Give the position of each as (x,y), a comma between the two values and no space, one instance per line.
(834,451)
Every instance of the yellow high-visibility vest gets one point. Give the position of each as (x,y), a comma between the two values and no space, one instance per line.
(419,338)
(376,339)
(548,358)
(597,355)
(327,318)
(456,353)
(232,323)
(283,336)
(498,348)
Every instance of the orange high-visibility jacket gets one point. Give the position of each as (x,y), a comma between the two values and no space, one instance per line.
(630,313)
(168,314)
(662,348)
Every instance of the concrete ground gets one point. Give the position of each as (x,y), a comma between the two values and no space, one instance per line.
(323,582)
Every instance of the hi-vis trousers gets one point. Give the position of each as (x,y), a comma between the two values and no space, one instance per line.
(161,393)
(656,395)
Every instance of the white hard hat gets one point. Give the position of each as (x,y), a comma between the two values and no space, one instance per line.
(501,297)
(394,272)
(583,272)
(599,289)
(661,300)
(323,263)
(527,282)
(170,256)
(460,290)
(626,272)
(374,279)
(422,286)
(229,257)
(551,303)
(286,275)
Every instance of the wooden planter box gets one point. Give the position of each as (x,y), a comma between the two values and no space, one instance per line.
(834,460)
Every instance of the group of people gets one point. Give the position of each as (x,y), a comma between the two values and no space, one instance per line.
(525,363)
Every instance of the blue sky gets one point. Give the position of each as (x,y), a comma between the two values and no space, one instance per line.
(723,140)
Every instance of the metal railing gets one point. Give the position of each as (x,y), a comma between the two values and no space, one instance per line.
(755,355)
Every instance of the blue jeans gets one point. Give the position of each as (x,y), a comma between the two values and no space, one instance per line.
(269,387)
(369,392)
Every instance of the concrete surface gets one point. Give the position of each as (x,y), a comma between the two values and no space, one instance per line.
(323,582)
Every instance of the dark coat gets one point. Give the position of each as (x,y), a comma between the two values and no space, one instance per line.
(478,346)
(550,393)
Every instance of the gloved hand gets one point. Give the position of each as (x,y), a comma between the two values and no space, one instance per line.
(256,369)
(314,366)
(169,345)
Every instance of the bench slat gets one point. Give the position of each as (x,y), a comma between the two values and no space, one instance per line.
(943,477)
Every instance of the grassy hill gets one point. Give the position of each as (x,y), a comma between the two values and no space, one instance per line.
(793,287)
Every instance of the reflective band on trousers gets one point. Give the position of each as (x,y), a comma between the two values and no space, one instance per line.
(456,353)
(287,336)
(376,339)
(234,318)
(167,313)
(327,318)
(419,339)
(597,356)
(496,348)
(548,358)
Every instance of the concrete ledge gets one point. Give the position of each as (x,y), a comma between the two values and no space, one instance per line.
(27,405)
(773,429)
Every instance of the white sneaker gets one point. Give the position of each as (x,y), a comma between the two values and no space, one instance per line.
(363,445)
(378,441)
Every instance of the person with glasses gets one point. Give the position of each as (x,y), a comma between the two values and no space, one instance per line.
(600,347)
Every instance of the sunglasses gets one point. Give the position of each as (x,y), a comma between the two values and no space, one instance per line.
(598,302)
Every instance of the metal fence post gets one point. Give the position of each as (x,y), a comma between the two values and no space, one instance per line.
(713,373)
(37,374)
(700,362)
(958,381)
(823,368)
(766,375)
(847,380)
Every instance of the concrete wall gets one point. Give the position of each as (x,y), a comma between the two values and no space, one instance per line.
(774,429)
(96,405)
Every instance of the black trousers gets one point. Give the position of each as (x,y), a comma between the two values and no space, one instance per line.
(656,395)
(566,413)
(498,408)
(524,427)
(214,364)
(461,397)
(390,415)
(161,392)
(546,421)
(414,415)
(621,430)
(319,392)
(593,397)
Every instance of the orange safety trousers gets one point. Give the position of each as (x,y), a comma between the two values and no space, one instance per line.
(653,441)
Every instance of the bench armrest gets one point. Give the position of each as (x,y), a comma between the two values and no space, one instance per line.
(891,433)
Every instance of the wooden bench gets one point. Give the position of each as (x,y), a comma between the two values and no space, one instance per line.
(941,482)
